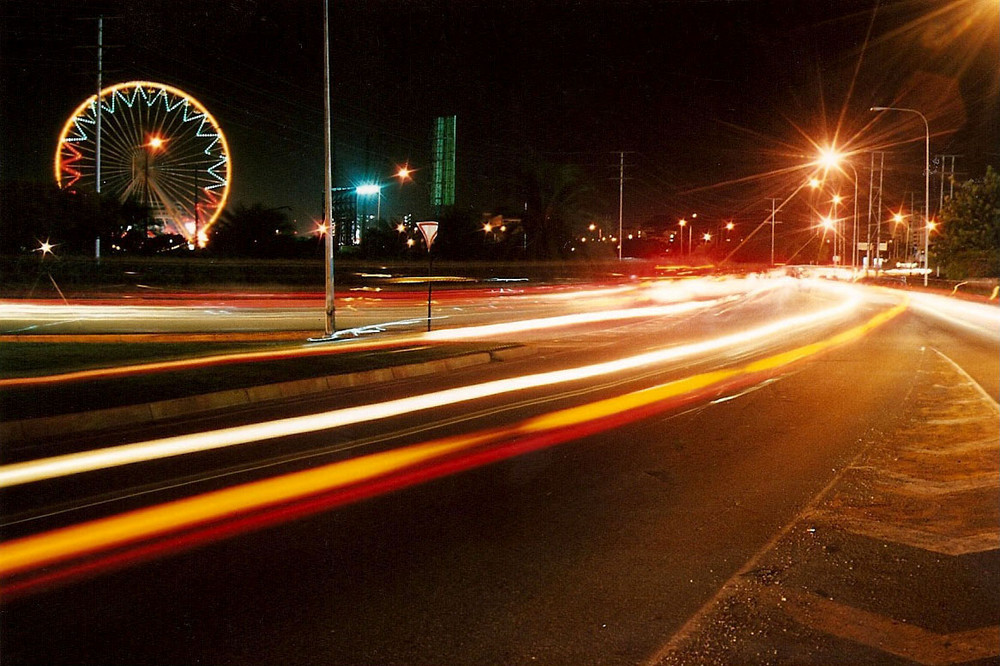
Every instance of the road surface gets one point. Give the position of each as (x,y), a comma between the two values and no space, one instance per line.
(641,489)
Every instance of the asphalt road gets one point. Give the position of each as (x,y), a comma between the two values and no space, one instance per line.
(605,518)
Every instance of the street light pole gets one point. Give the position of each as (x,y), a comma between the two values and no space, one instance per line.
(854,230)
(927,182)
(773,213)
(331,323)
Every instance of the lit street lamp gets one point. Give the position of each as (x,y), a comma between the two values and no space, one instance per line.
(369,189)
(927,182)
(830,159)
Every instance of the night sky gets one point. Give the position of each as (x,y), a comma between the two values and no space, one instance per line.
(700,93)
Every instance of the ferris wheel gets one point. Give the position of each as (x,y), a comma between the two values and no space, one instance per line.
(158,146)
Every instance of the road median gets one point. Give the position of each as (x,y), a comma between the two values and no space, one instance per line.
(344,375)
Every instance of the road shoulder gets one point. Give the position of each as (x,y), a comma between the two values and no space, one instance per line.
(897,561)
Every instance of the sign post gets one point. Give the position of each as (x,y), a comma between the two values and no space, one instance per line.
(429,229)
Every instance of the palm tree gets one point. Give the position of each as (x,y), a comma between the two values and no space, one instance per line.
(557,199)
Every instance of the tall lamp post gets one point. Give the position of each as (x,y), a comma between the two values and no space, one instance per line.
(829,159)
(331,322)
(927,182)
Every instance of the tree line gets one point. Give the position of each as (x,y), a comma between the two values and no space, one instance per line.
(556,201)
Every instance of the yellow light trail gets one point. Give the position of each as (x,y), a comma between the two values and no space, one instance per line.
(86,461)
(115,532)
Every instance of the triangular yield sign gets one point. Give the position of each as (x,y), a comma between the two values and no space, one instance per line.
(430,231)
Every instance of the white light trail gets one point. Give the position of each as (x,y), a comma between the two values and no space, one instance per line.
(975,316)
(57,466)
(491,330)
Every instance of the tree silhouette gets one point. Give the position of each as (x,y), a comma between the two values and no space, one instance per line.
(253,231)
(558,199)
(969,244)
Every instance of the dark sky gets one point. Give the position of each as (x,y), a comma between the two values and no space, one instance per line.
(700,92)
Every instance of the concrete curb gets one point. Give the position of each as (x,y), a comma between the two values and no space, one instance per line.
(39,428)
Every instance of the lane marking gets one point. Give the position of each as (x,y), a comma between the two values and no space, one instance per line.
(974,541)
(990,399)
(882,633)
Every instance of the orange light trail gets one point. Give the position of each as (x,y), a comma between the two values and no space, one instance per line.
(136,535)
(85,461)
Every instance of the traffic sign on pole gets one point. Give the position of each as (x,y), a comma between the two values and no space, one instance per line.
(430,230)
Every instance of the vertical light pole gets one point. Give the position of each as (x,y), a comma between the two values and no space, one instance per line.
(837,234)
(621,196)
(683,223)
(331,321)
(854,229)
(831,158)
(774,212)
(927,182)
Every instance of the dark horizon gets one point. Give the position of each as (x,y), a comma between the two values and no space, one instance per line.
(699,94)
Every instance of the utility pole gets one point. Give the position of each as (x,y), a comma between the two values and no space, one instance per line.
(98,111)
(100,86)
(871,197)
(197,238)
(621,198)
(774,211)
(878,217)
(950,174)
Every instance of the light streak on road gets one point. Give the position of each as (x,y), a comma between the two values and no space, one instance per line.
(76,463)
(187,522)
(493,330)
(974,316)
(450,334)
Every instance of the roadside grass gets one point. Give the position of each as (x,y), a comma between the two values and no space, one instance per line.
(30,359)
(87,395)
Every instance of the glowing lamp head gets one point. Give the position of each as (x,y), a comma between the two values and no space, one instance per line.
(368,189)
(837,199)
(155,142)
(403,173)
(827,223)
(814,183)
(683,222)
(730,226)
(931,225)
(707,237)
(897,218)
(829,158)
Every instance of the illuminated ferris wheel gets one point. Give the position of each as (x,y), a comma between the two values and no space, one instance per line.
(158,146)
